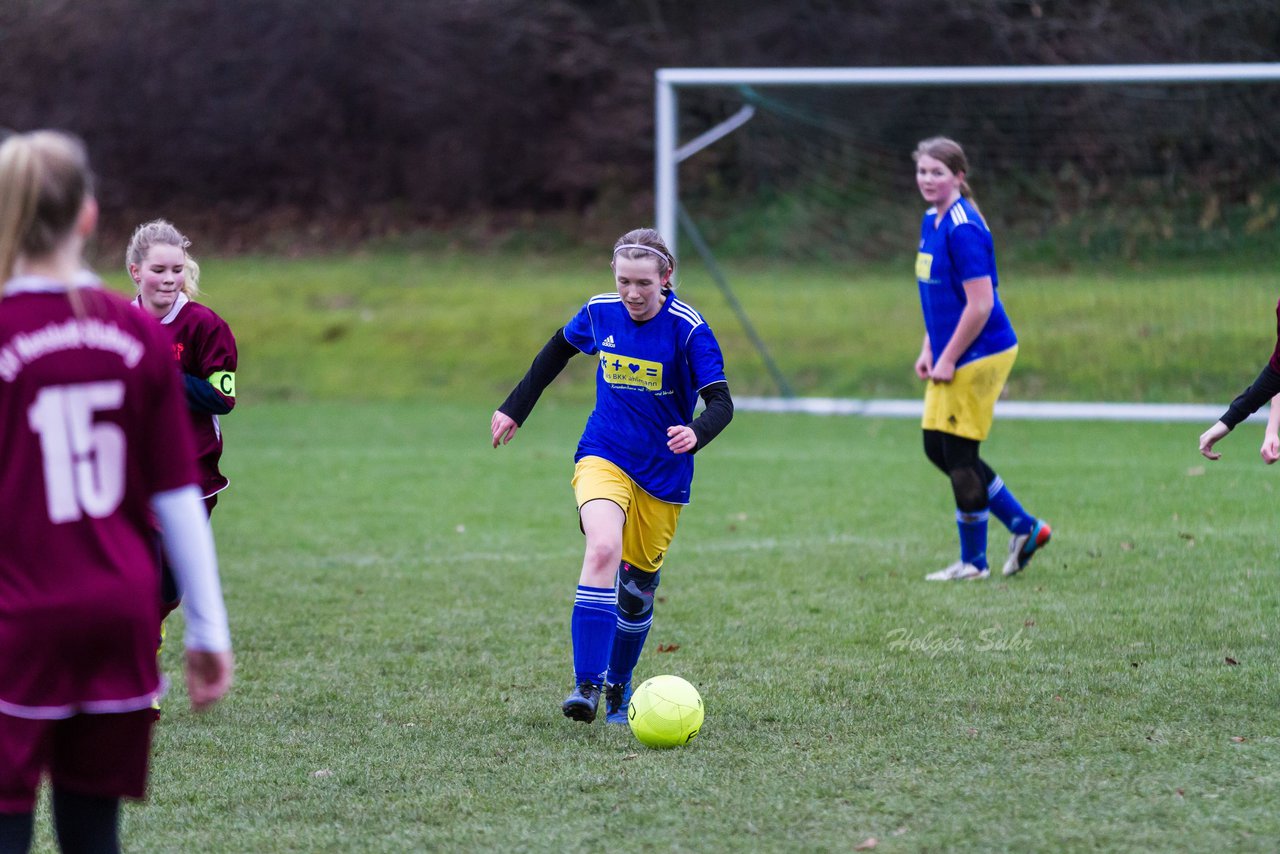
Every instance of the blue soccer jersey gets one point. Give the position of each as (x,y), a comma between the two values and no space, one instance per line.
(953,251)
(648,378)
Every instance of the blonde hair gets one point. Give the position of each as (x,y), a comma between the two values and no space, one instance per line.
(950,154)
(161,232)
(44,182)
(642,243)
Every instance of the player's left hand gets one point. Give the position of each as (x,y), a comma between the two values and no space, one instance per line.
(681,439)
(943,371)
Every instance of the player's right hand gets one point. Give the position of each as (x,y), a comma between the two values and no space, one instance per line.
(503,428)
(1210,437)
(924,366)
(1270,449)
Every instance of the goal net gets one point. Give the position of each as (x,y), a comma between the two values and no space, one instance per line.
(1135,211)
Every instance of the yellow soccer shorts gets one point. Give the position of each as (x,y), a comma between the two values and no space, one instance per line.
(965,406)
(650,524)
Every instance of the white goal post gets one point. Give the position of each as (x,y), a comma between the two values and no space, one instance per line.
(668,153)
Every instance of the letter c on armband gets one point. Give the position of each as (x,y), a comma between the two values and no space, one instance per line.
(225,382)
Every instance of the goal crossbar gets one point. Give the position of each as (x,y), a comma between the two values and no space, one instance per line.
(667,80)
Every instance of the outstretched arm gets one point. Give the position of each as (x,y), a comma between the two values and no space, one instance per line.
(547,365)
(1249,401)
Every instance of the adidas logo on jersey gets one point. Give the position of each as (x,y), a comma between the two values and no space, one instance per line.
(608,342)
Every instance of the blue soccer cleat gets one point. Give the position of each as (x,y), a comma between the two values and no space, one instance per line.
(616,700)
(582,702)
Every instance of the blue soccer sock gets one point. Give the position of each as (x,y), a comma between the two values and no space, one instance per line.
(591,627)
(628,641)
(1007,508)
(973,537)
(636,589)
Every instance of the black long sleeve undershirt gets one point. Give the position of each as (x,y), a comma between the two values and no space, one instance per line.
(716,416)
(557,352)
(1265,387)
(547,365)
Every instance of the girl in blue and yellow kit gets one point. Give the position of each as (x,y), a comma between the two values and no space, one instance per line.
(969,348)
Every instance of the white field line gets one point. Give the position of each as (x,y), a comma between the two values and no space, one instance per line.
(1008,409)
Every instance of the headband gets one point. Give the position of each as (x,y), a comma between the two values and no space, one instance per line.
(664,256)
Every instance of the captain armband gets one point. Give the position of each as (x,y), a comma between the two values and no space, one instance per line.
(224,381)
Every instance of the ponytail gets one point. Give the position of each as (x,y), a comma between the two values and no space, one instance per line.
(19,188)
(44,181)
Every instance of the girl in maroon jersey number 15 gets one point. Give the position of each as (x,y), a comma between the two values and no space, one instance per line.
(95,452)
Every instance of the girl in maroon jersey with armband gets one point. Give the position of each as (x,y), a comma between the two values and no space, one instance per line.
(95,451)
(167,279)
(168,282)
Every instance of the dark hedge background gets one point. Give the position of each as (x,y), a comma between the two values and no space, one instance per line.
(353,118)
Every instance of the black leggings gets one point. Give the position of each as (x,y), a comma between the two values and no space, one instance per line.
(957,458)
(15,833)
(84,824)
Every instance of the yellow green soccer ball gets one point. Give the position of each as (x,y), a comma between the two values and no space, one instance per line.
(665,711)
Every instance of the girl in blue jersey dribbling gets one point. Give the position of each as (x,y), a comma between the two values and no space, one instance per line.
(969,348)
(634,464)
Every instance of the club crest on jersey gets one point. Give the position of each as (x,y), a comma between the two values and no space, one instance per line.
(924,266)
(626,371)
(177,352)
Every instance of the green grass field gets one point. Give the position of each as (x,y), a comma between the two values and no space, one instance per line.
(400,595)
(400,591)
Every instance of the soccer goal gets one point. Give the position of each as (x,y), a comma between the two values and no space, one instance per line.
(1134,208)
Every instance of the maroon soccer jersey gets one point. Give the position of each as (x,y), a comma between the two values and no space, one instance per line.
(92,424)
(205,349)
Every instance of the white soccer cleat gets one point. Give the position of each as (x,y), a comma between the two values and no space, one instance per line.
(1022,547)
(959,571)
